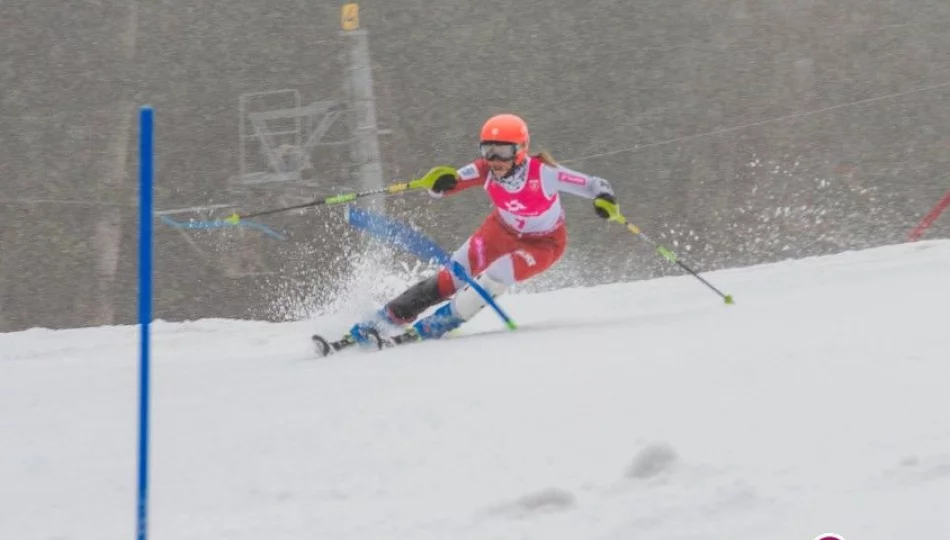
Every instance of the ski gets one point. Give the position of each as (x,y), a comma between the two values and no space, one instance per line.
(325,347)
(409,336)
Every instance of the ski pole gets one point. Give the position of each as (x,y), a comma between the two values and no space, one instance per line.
(425,182)
(614,215)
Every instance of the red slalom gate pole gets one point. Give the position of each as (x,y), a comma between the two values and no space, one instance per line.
(929,218)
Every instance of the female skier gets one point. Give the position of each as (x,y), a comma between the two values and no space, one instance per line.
(524,235)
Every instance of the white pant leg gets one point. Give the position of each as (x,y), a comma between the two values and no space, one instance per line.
(461,256)
(495,280)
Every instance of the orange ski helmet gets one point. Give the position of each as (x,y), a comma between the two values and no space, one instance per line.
(504,137)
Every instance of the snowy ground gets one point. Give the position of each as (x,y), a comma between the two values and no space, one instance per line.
(818,403)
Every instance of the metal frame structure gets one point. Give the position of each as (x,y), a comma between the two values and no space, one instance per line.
(277,135)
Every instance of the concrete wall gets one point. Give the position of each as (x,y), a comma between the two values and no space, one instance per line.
(736,131)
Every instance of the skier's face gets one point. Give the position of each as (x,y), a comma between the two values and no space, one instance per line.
(500,156)
(500,167)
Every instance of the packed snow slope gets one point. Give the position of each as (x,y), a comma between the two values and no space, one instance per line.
(820,402)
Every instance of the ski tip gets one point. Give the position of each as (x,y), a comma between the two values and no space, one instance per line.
(322,345)
(729,300)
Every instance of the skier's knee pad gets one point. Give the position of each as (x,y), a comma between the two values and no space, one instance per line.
(468,301)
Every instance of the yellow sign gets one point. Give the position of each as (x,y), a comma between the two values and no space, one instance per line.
(350,16)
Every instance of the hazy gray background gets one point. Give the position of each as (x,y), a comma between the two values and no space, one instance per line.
(737,131)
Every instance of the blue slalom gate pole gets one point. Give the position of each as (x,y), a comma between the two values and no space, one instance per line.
(146,163)
(401,235)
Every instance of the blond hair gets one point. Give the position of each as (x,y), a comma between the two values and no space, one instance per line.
(545,158)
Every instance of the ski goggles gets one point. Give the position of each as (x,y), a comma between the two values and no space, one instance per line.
(498,151)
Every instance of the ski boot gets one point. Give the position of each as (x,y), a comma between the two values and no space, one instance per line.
(368,334)
(441,322)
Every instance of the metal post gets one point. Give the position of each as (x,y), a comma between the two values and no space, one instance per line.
(363,102)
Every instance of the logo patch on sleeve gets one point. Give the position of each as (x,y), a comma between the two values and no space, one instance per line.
(468,172)
(570,178)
